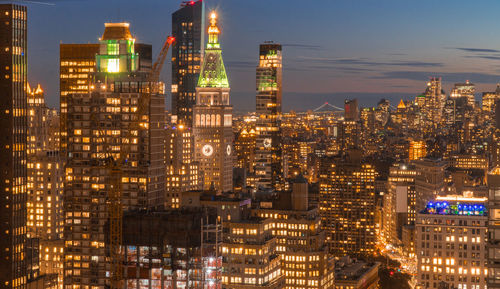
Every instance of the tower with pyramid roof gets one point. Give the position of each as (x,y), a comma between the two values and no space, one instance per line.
(212,117)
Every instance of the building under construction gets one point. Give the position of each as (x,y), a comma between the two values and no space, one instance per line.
(175,249)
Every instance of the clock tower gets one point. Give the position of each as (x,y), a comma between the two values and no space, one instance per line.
(213,116)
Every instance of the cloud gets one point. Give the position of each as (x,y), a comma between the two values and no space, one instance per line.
(367,62)
(489,57)
(318,67)
(476,50)
(301,46)
(447,76)
(482,53)
(396,54)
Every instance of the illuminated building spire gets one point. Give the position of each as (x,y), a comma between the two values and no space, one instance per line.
(401,105)
(213,32)
(213,72)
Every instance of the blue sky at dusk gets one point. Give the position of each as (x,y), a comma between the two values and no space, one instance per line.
(333,49)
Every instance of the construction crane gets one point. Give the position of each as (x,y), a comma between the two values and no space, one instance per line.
(114,205)
(154,76)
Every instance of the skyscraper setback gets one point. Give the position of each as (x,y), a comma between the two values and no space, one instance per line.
(76,65)
(268,153)
(188,28)
(13,198)
(213,117)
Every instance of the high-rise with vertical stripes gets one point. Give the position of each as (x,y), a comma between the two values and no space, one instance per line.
(13,145)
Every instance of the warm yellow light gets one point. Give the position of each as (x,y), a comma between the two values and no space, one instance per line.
(213,15)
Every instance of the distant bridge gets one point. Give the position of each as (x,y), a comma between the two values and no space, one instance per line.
(328,106)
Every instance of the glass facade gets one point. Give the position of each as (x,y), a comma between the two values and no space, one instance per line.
(188,28)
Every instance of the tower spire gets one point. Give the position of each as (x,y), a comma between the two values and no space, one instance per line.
(213,72)
(213,32)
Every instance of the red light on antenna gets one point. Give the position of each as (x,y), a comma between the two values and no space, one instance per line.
(171,39)
(326,102)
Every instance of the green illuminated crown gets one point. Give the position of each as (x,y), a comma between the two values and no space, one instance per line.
(116,54)
(213,72)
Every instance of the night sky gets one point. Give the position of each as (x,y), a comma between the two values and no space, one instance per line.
(333,49)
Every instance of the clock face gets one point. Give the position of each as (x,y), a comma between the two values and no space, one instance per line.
(207,150)
(228,150)
(267,142)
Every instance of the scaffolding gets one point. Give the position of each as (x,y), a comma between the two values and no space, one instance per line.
(211,241)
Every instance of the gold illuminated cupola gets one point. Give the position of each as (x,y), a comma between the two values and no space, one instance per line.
(401,105)
(117,31)
(39,89)
(213,32)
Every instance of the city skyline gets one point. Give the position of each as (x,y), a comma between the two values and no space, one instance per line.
(339,56)
(231,189)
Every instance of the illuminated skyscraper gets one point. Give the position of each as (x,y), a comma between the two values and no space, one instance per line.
(268,154)
(434,100)
(118,125)
(464,90)
(244,146)
(13,85)
(45,195)
(417,150)
(305,260)
(450,237)
(45,169)
(349,134)
(182,172)
(213,117)
(351,110)
(43,123)
(76,65)
(188,28)
(347,205)
(490,99)
(249,255)
(401,187)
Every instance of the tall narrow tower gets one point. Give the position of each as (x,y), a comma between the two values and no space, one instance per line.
(268,167)
(188,28)
(213,116)
(13,145)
